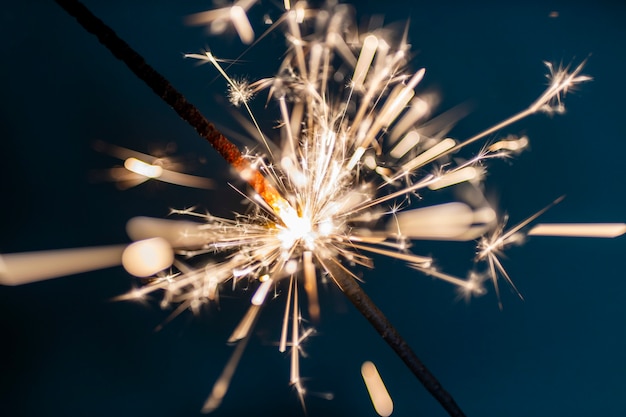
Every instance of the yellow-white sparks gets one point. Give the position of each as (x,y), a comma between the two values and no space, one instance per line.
(350,142)
(350,145)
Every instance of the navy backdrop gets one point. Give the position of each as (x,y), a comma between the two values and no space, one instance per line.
(68,350)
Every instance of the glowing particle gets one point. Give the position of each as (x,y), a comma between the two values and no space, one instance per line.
(261,292)
(429,155)
(370,44)
(455,177)
(142,168)
(147,257)
(381,400)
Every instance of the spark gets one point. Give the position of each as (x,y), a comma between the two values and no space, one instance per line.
(218,20)
(376,388)
(492,245)
(601,230)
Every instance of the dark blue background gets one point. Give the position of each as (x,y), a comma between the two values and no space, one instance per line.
(68,350)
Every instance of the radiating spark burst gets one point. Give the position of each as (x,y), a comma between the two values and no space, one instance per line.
(353,152)
(352,144)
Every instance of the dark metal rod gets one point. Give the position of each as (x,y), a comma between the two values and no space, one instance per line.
(383,326)
(162,88)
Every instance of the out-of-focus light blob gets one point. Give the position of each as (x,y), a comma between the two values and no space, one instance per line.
(602,230)
(147,257)
(429,155)
(261,292)
(376,387)
(456,177)
(445,221)
(511,143)
(370,44)
(27,267)
(242,24)
(142,168)
(218,20)
(408,142)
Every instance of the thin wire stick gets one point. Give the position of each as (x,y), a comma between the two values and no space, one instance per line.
(162,88)
(233,156)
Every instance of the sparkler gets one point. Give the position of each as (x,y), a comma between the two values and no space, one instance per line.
(348,150)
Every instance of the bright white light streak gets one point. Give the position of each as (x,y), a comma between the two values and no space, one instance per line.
(310,285)
(397,101)
(470,285)
(601,230)
(294,378)
(179,233)
(370,44)
(455,177)
(283,334)
(245,325)
(441,222)
(147,257)
(418,109)
(223,382)
(510,144)
(409,257)
(296,40)
(315,60)
(287,126)
(407,143)
(341,47)
(142,168)
(185,180)
(27,267)
(242,24)
(392,108)
(376,388)
(261,292)
(356,157)
(429,155)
